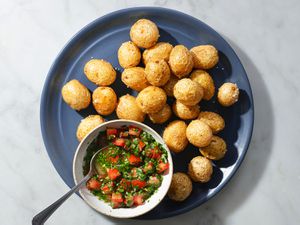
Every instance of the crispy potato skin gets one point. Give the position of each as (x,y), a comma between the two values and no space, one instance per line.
(175,136)
(181,187)
(205,56)
(188,92)
(128,109)
(151,99)
(216,150)
(88,124)
(144,33)
(161,116)
(135,78)
(199,133)
(181,61)
(206,82)
(160,51)
(228,94)
(157,72)
(169,86)
(104,100)
(76,95)
(100,72)
(213,120)
(200,169)
(185,112)
(129,55)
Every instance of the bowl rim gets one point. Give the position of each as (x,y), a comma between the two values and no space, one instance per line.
(170,174)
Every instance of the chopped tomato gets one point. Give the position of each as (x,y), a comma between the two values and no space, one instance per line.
(134,131)
(125,184)
(154,153)
(116,197)
(138,199)
(107,188)
(141,145)
(116,200)
(119,142)
(111,131)
(114,159)
(161,167)
(134,160)
(138,183)
(93,184)
(115,205)
(148,167)
(113,174)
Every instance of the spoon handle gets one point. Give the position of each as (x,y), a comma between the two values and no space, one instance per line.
(46,213)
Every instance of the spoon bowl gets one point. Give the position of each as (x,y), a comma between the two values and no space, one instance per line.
(93,169)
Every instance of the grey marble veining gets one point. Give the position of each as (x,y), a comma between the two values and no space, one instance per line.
(265,35)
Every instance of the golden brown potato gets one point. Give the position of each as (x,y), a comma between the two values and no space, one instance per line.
(228,94)
(129,55)
(213,120)
(180,188)
(160,51)
(128,109)
(87,125)
(104,100)
(157,72)
(100,72)
(205,56)
(185,112)
(144,33)
(151,99)
(215,150)
(206,81)
(135,78)
(162,115)
(200,169)
(175,136)
(76,95)
(169,86)
(188,92)
(199,133)
(181,61)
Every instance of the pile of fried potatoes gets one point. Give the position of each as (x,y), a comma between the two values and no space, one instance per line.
(169,71)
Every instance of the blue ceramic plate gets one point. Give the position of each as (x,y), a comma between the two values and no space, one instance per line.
(101,39)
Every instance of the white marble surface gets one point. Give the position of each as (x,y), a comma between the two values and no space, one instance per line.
(265,35)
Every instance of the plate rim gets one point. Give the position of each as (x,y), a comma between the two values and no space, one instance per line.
(77,36)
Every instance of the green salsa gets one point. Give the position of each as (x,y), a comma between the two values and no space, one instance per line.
(129,170)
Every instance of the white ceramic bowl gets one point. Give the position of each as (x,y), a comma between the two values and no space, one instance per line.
(103,207)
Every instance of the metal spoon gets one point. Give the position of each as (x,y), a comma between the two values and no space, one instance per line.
(46,213)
